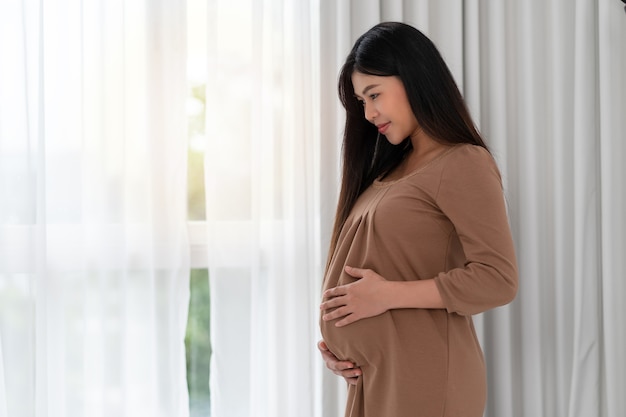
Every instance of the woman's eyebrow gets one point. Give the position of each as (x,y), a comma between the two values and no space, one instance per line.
(366,89)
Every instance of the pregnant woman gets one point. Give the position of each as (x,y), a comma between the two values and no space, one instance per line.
(421,240)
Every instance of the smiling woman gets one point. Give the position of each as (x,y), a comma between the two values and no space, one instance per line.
(426,241)
(382,98)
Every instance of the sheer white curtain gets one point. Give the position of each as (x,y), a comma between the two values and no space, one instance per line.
(93,248)
(262,176)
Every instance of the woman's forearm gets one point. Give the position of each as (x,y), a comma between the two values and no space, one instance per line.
(412,294)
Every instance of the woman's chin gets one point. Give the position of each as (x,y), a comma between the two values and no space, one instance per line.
(394,140)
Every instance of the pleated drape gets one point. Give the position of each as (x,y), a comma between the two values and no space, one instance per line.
(612,153)
(542,63)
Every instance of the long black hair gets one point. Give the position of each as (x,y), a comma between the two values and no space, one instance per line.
(396,49)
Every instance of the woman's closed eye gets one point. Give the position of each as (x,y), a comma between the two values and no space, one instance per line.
(372,97)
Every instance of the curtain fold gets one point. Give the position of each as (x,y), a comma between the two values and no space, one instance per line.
(262,176)
(612,127)
(94,264)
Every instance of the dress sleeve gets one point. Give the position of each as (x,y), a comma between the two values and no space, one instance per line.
(470,194)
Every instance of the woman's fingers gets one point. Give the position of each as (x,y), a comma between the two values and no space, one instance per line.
(337,313)
(333,302)
(345,369)
(331,293)
(334,364)
(321,345)
(352,381)
(356,272)
(351,375)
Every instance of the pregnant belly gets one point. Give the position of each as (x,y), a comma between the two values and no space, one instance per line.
(370,340)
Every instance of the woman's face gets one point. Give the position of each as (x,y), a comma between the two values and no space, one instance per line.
(386,105)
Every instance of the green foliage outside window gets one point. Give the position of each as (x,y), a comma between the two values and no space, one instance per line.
(198,344)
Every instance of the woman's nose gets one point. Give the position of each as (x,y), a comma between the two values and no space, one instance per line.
(370,113)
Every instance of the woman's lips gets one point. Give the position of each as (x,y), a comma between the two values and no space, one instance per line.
(383,128)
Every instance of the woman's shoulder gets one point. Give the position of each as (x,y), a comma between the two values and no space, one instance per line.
(467,165)
(468,156)
(469,151)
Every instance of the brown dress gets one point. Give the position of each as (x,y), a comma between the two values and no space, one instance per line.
(446,221)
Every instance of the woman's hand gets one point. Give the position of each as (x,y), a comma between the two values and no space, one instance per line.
(361,299)
(349,371)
